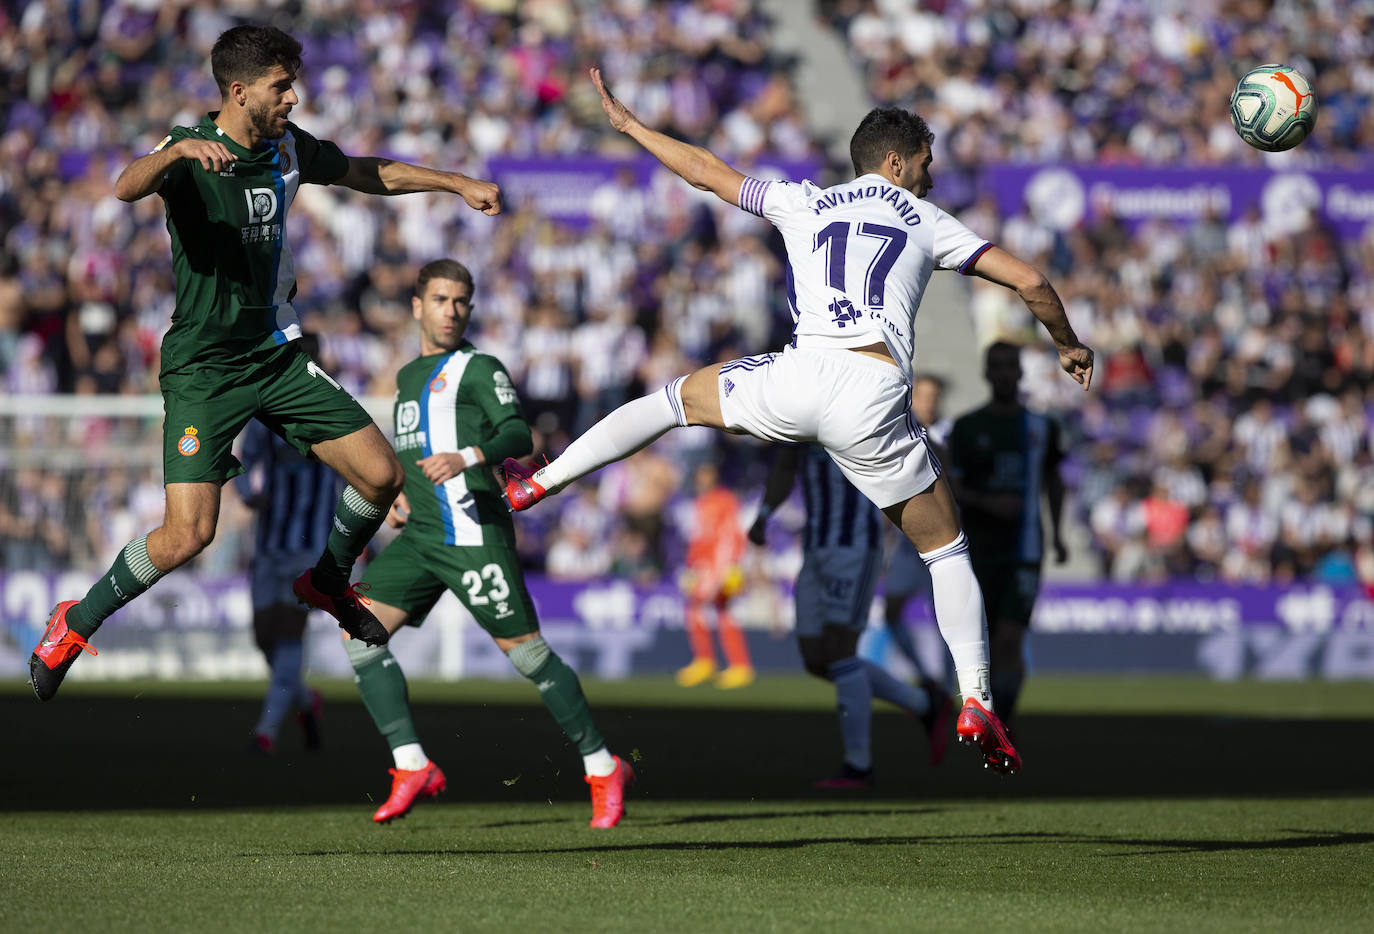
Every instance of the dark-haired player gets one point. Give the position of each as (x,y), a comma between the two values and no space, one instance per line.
(228,184)
(859,257)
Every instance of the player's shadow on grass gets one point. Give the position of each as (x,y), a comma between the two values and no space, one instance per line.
(1136,846)
(742,816)
(84,752)
(1309,839)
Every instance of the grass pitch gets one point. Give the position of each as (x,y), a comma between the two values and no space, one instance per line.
(1145,805)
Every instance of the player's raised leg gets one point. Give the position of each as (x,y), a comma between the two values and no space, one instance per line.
(930,520)
(188,526)
(688,400)
(374,476)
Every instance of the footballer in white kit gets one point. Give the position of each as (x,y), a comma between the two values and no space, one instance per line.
(859,257)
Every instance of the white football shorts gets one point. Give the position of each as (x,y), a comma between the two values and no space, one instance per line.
(857,407)
(835,588)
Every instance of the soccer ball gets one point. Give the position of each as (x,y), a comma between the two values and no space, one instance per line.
(1273,108)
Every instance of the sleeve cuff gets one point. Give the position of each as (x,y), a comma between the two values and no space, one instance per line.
(966,267)
(751,195)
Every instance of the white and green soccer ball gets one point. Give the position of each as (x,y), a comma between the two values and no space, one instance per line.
(1273,108)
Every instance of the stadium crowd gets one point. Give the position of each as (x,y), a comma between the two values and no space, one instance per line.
(1228,432)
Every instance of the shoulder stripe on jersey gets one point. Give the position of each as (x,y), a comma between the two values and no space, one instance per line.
(751,194)
(279,186)
(966,267)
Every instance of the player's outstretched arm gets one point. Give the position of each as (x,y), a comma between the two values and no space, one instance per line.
(697,166)
(144,175)
(997,265)
(374,175)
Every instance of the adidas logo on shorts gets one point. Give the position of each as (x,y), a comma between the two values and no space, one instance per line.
(729,386)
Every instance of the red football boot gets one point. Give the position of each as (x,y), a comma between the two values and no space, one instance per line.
(521,490)
(55,653)
(407,787)
(978,725)
(608,794)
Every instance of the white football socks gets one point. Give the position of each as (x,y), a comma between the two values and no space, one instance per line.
(959,614)
(621,433)
(410,757)
(599,764)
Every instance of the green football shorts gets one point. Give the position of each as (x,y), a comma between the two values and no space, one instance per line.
(412,575)
(207,409)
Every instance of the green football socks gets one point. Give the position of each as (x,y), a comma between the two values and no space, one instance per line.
(560,691)
(382,685)
(130,575)
(355,522)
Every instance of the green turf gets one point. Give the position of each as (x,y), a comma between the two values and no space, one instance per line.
(1145,806)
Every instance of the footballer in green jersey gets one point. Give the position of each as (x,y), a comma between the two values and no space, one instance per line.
(1002,457)
(456,414)
(231,353)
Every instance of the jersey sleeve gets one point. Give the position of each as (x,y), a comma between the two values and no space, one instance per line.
(322,161)
(771,200)
(957,247)
(489,386)
(179,171)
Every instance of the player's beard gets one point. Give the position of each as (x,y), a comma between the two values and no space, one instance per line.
(264,123)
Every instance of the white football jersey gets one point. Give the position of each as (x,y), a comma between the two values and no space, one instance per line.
(859,256)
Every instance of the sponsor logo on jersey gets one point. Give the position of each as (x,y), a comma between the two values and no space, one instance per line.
(407,416)
(438,383)
(505,391)
(189,443)
(729,387)
(262,204)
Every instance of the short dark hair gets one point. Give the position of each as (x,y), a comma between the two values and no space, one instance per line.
(442,269)
(246,53)
(885,130)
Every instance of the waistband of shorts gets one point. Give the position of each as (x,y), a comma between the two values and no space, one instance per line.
(853,358)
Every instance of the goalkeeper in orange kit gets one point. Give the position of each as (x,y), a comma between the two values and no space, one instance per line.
(712,578)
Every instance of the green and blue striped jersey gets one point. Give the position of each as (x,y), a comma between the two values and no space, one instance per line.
(444,403)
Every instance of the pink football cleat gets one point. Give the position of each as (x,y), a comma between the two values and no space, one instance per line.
(978,725)
(608,794)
